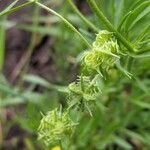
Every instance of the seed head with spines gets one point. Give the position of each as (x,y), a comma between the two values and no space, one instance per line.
(103,54)
(54,126)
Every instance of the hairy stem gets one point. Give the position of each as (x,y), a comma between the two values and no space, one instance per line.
(65,21)
(107,23)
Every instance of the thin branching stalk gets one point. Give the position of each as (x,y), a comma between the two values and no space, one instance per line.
(110,27)
(16,8)
(65,21)
(90,24)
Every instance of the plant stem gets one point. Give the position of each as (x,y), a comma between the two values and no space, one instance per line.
(107,23)
(2,45)
(15,8)
(65,21)
(90,24)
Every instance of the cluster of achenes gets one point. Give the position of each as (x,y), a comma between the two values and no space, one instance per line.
(54,126)
(103,54)
(82,93)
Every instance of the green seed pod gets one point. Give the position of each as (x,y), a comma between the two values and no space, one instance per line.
(93,59)
(84,92)
(102,37)
(54,126)
(103,54)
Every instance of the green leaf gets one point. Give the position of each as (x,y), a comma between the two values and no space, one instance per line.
(11,102)
(119,6)
(134,135)
(123,70)
(34,79)
(123,20)
(140,16)
(20,99)
(141,85)
(53,31)
(137,3)
(145,32)
(142,104)
(6,89)
(138,13)
(122,143)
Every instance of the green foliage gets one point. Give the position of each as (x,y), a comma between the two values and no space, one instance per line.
(112,110)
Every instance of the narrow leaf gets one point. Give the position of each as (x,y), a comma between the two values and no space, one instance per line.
(137,14)
(9,7)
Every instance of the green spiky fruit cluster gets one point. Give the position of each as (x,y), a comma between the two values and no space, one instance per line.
(84,91)
(54,126)
(103,54)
